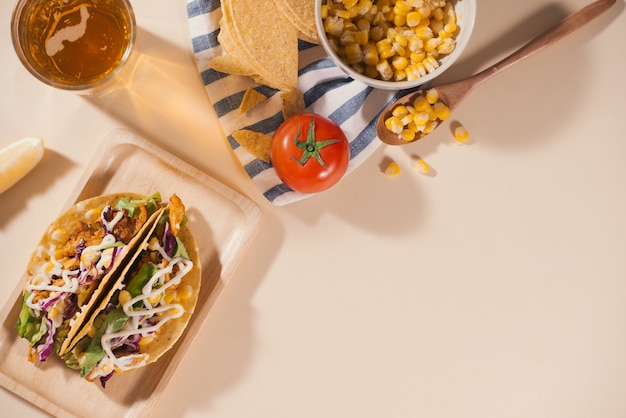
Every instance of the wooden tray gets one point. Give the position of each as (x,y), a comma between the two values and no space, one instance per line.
(223,222)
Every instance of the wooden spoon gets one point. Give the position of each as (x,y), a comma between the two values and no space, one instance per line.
(453,93)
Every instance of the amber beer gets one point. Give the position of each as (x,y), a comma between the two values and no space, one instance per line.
(73,44)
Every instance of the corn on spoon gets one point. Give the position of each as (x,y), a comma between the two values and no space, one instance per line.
(453,93)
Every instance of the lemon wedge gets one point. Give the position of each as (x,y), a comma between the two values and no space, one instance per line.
(17,159)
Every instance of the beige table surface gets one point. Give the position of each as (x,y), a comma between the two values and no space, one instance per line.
(494,288)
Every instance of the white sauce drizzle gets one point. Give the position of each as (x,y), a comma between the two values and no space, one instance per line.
(101,254)
(140,316)
(109,225)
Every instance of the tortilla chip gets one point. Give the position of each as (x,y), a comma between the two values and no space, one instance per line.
(250,99)
(292,103)
(231,64)
(267,40)
(301,14)
(256,143)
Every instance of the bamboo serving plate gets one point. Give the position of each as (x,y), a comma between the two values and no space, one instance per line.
(223,222)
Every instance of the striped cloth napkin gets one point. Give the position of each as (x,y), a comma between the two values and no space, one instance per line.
(327,91)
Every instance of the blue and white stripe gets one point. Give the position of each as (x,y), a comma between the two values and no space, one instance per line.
(327,91)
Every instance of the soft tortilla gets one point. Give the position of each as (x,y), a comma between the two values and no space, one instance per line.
(69,221)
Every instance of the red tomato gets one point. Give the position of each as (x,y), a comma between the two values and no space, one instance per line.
(309,152)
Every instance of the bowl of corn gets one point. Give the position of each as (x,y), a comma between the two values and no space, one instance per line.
(394,44)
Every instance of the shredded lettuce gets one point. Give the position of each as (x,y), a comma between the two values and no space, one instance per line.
(25,319)
(114,322)
(140,279)
(181,251)
(131,205)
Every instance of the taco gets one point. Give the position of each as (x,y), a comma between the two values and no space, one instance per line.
(78,255)
(147,309)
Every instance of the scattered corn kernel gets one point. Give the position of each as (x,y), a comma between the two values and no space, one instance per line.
(392,169)
(59,235)
(422,166)
(169,297)
(124,297)
(184,292)
(92,332)
(153,300)
(461,134)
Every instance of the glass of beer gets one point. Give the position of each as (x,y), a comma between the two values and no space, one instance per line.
(78,45)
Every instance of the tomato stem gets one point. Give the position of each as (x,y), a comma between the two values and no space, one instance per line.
(311,147)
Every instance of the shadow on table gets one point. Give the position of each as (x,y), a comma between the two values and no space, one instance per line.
(16,199)
(159,94)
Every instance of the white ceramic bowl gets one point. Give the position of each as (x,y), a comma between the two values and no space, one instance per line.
(465,14)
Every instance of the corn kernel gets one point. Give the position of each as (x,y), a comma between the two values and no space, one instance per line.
(399,63)
(59,235)
(408,135)
(371,71)
(154,299)
(430,63)
(399,20)
(184,292)
(349,3)
(93,214)
(461,134)
(421,104)
(446,46)
(92,332)
(370,55)
(437,14)
(413,19)
(432,96)
(170,296)
(353,53)
(124,297)
(430,126)
(431,44)
(441,110)
(450,27)
(384,69)
(400,111)
(145,340)
(333,26)
(394,125)
(384,48)
(421,118)
(362,37)
(422,166)
(343,14)
(324,11)
(365,6)
(392,169)
(436,26)
(377,33)
(363,24)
